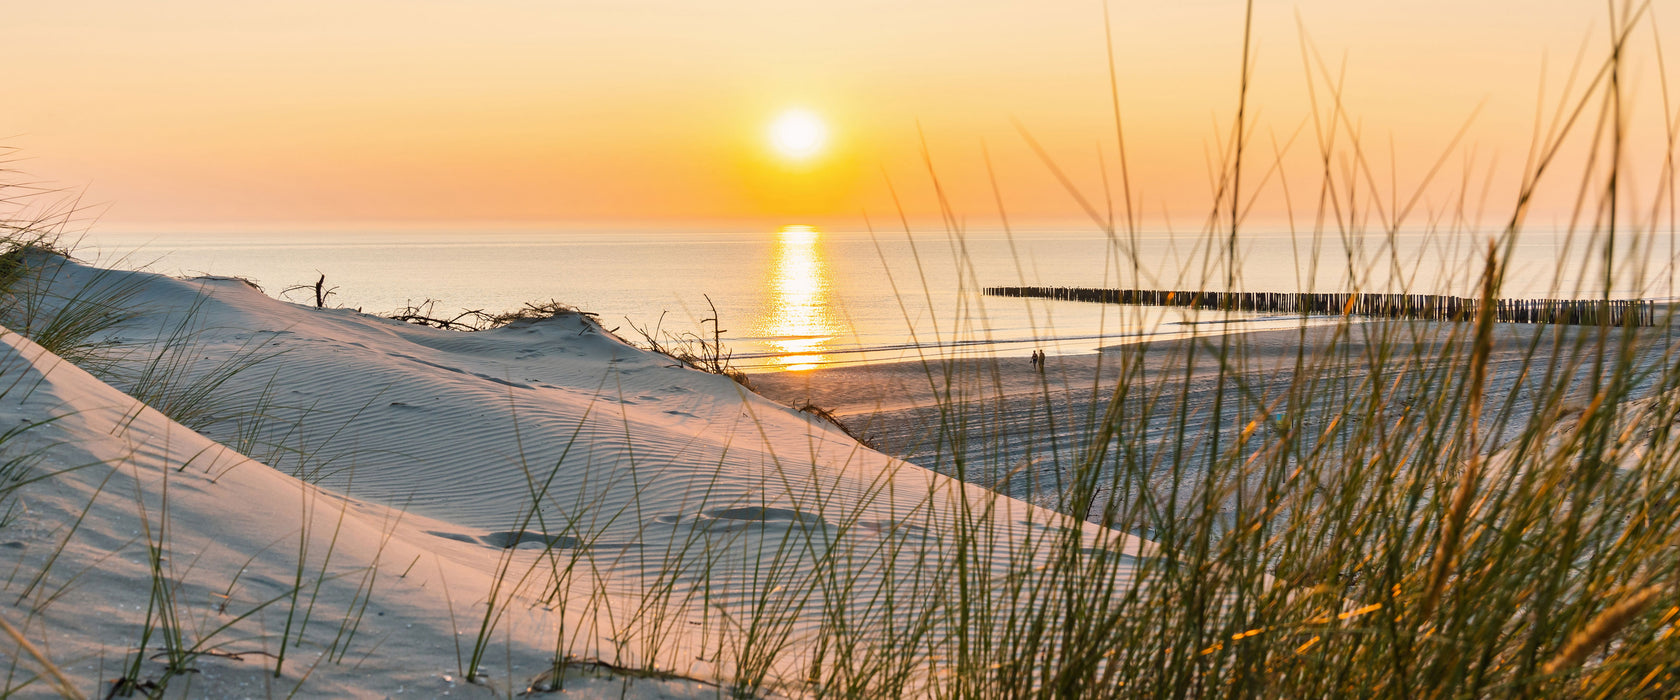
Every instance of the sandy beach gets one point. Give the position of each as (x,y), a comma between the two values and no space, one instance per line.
(417,508)
(1019,414)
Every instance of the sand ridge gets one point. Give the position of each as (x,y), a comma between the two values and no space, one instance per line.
(545,476)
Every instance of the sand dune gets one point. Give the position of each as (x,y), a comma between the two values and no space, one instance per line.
(423,497)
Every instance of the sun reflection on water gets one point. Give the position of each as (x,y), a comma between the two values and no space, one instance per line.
(799,325)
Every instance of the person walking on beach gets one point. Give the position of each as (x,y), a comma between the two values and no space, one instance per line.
(1040,362)
(1035,359)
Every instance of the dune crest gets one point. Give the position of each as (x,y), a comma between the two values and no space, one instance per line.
(431,504)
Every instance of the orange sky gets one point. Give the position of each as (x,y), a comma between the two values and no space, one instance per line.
(655,112)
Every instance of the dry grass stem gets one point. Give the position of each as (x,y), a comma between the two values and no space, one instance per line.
(1601,630)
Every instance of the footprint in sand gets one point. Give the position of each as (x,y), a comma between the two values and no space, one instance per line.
(458,537)
(725,520)
(762,515)
(510,539)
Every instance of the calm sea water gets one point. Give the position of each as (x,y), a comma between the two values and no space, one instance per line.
(797,297)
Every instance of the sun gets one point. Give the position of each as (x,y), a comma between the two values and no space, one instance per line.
(798,134)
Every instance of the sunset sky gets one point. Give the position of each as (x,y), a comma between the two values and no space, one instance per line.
(659,113)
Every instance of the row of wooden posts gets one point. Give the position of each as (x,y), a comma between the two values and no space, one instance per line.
(1432,307)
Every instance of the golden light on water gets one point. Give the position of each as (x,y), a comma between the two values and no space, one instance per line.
(799,325)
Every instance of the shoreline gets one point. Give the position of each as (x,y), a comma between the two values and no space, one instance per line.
(877,387)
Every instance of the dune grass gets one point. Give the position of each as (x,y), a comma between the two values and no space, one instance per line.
(70,323)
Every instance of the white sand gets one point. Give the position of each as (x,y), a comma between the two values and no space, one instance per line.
(676,506)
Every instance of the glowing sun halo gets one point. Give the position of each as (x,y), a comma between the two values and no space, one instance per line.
(798,134)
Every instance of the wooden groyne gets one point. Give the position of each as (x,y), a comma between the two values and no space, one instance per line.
(1431,307)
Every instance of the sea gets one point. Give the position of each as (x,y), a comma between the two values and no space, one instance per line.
(798,297)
